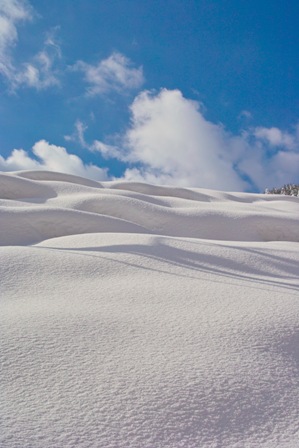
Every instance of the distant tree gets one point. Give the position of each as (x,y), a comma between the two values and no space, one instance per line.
(287,189)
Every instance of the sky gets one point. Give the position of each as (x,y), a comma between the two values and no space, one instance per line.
(192,93)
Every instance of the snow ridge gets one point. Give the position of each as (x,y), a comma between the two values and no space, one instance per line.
(49,205)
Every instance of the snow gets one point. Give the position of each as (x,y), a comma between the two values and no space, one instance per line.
(140,316)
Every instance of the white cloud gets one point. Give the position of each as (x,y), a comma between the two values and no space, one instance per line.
(276,137)
(11,12)
(245,115)
(78,134)
(107,151)
(272,158)
(174,143)
(270,170)
(170,141)
(51,158)
(144,175)
(18,160)
(16,9)
(40,72)
(116,73)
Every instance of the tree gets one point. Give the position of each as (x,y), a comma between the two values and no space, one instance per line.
(287,189)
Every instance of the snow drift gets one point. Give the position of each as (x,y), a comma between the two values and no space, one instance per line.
(145,316)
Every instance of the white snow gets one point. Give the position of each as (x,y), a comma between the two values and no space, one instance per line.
(140,316)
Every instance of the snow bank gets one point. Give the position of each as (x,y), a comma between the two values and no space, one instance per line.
(139,316)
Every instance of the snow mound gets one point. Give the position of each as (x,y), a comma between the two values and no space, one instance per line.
(48,205)
(12,187)
(140,316)
(51,176)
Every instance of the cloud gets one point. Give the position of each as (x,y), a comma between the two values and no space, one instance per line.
(51,158)
(78,134)
(39,72)
(107,151)
(116,73)
(276,137)
(245,115)
(11,12)
(170,141)
(267,167)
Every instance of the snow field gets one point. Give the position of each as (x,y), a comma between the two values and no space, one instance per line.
(140,316)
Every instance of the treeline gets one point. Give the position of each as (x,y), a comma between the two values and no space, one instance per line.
(288,189)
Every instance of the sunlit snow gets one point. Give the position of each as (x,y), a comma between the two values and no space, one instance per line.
(140,316)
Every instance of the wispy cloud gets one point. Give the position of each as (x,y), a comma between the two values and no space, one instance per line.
(116,73)
(40,71)
(78,135)
(11,13)
(51,158)
(245,115)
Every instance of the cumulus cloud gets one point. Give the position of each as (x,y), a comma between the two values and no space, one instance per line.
(39,72)
(170,141)
(51,158)
(116,73)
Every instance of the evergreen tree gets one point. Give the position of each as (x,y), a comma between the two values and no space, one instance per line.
(287,189)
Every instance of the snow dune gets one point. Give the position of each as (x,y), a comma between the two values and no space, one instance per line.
(140,316)
(47,205)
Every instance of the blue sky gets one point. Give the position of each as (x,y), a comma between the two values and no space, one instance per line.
(180,92)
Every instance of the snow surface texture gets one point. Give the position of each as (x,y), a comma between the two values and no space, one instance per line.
(149,317)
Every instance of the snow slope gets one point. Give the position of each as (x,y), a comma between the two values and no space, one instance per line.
(144,316)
